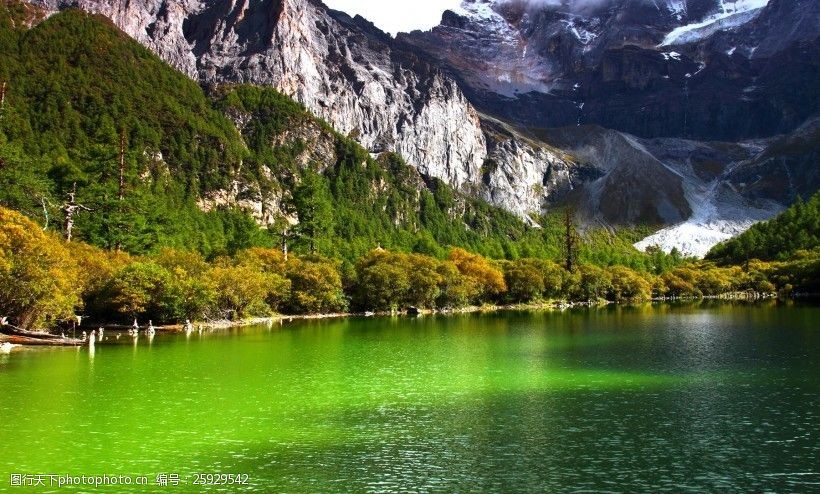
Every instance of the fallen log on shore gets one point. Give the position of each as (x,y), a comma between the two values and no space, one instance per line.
(17,336)
(10,330)
(28,341)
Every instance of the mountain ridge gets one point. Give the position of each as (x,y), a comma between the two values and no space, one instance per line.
(616,71)
(391,97)
(82,97)
(202,171)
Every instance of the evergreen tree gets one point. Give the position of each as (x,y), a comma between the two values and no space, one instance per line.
(312,202)
(570,241)
(798,228)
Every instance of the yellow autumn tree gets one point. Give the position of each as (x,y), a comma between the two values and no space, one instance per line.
(267,260)
(97,267)
(627,285)
(241,291)
(38,276)
(316,286)
(487,282)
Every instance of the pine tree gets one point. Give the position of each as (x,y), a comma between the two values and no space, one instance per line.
(570,241)
(312,201)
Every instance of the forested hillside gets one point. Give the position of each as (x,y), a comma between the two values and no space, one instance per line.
(159,162)
(75,88)
(796,229)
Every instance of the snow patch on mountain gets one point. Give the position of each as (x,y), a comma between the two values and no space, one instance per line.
(730,16)
(718,214)
(677,8)
(696,236)
(584,36)
(481,10)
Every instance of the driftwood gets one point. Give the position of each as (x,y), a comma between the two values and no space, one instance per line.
(10,330)
(25,340)
(17,336)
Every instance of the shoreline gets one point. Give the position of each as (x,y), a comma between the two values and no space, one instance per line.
(553,305)
(559,305)
(281,318)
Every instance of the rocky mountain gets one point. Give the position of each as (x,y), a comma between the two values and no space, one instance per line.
(701,69)
(159,162)
(706,192)
(510,100)
(786,167)
(364,83)
(344,70)
(703,98)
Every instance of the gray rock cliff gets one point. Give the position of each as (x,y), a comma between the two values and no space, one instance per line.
(342,69)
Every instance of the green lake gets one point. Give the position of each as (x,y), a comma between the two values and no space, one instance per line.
(695,398)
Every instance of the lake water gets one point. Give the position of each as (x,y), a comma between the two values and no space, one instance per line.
(652,399)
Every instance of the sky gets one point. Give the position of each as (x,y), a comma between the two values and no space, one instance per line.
(397,15)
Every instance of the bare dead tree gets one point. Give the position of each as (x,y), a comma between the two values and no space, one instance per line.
(70,208)
(285,243)
(45,212)
(2,98)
